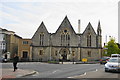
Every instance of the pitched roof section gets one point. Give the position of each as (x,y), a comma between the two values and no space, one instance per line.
(41,28)
(65,24)
(89,26)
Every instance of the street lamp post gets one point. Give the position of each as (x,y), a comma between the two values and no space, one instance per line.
(106,50)
(62,58)
(73,60)
(73,57)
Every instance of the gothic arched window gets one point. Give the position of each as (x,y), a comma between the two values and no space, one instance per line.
(65,38)
(41,52)
(89,53)
(41,39)
(88,40)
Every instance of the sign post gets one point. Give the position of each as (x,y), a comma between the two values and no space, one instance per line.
(84,60)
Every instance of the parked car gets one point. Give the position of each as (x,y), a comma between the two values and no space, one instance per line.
(115,55)
(5,60)
(1,59)
(104,60)
(113,65)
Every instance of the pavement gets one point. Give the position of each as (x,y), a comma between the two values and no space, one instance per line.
(8,73)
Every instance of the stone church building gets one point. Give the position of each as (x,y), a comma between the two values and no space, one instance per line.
(66,44)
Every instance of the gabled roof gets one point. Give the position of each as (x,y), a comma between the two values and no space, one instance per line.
(17,36)
(65,24)
(42,26)
(89,26)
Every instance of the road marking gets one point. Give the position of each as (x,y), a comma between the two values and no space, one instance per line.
(95,70)
(83,74)
(70,77)
(55,71)
(78,75)
(37,73)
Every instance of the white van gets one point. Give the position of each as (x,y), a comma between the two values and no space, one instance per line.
(115,55)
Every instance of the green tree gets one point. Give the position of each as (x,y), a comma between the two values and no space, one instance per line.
(111,47)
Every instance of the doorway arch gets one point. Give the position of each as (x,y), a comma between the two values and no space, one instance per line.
(64,52)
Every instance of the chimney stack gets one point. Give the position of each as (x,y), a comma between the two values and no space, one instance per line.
(78,26)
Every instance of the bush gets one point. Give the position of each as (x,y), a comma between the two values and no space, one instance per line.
(53,62)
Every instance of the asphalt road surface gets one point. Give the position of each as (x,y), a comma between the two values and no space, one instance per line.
(99,73)
(55,70)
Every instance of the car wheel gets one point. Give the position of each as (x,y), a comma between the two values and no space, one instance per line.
(106,70)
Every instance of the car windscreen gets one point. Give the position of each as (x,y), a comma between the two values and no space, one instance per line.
(104,58)
(114,60)
(115,56)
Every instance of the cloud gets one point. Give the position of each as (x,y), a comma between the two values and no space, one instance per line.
(59,0)
(25,17)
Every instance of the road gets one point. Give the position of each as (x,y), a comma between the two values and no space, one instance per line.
(60,70)
(99,73)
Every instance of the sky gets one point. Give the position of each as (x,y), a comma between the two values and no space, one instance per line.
(24,16)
